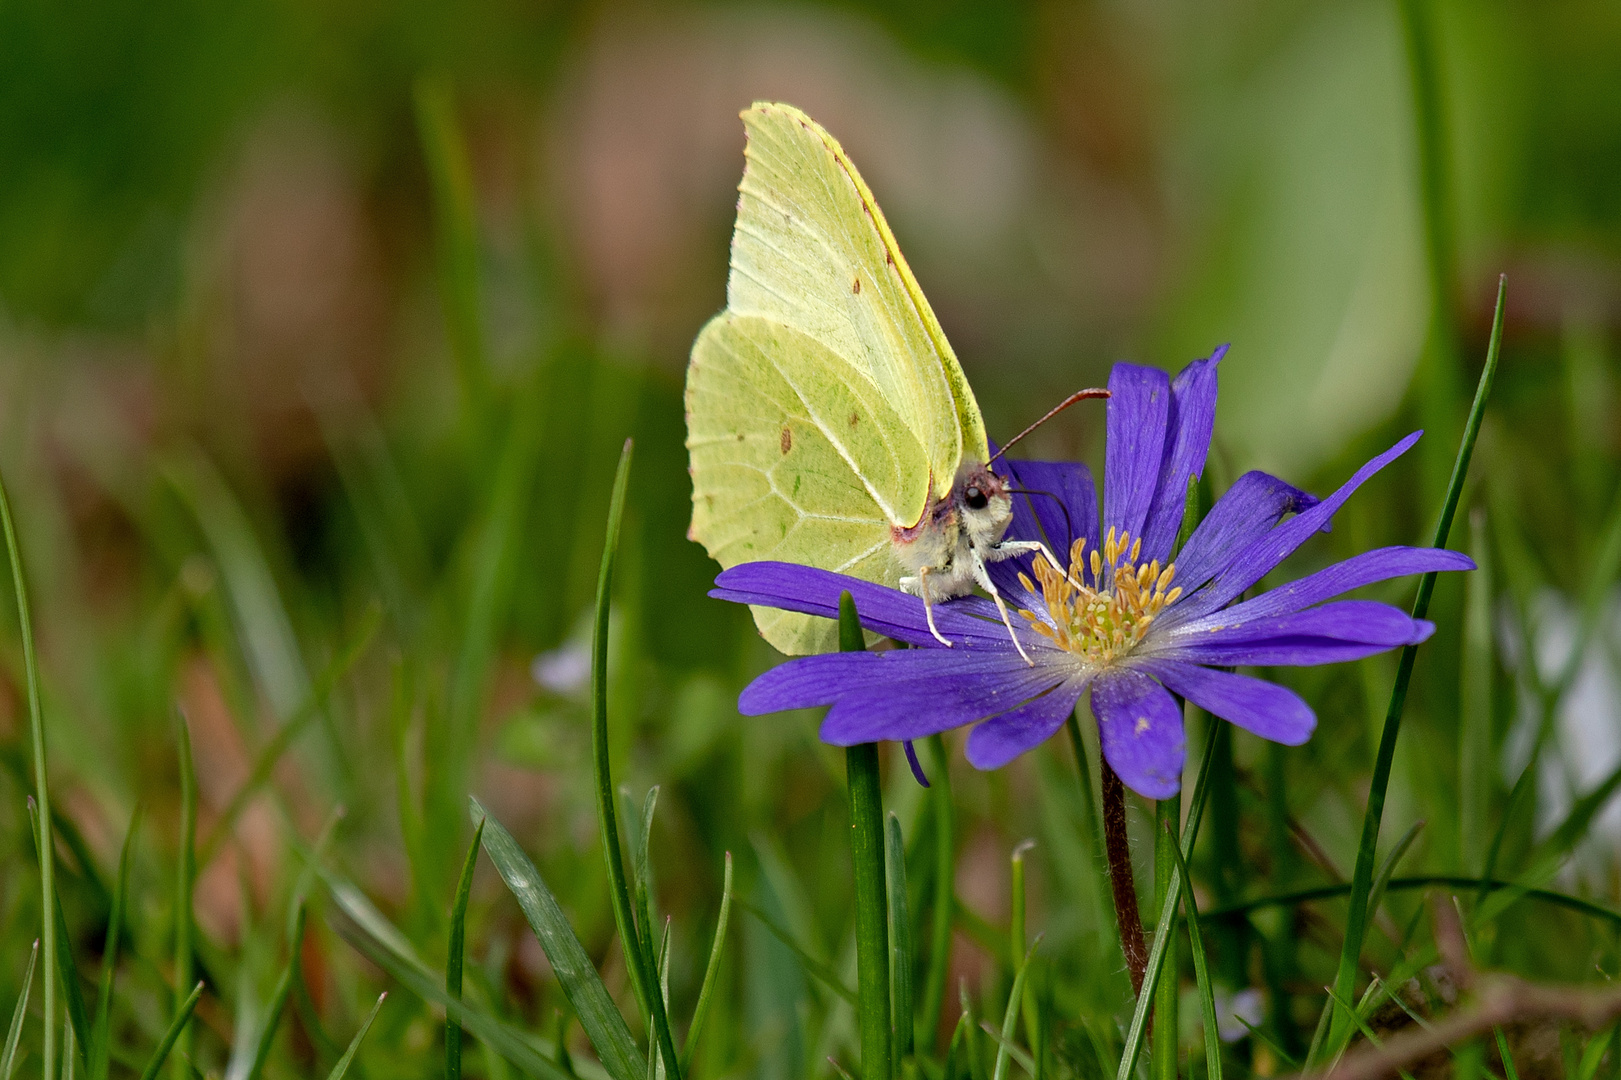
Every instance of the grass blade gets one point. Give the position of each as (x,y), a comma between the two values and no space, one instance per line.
(945,854)
(976,1061)
(1010,1017)
(265,763)
(342,1067)
(1356,923)
(182,1017)
(603,1024)
(70,1047)
(72,993)
(1163,1058)
(278,998)
(642,979)
(66,970)
(1509,1071)
(100,1028)
(185,882)
(867,861)
(42,792)
(453,966)
(1020,1058)
(954,1049)
(14,1033)
(1201,971)
(711,970)
(900,939)
(378,940)
(817,968)
(1173,898)
(1387,868)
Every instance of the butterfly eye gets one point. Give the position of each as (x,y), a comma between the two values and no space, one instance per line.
(975,498)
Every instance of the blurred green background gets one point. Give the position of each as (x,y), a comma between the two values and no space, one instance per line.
(315,311)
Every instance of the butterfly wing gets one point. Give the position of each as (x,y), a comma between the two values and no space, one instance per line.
(812,250)
(796,455)
(824,406)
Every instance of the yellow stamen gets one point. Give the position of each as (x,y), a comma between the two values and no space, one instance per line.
(1102,621)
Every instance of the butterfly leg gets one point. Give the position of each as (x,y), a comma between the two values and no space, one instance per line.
(919,586)
(1007,549)
(983,579)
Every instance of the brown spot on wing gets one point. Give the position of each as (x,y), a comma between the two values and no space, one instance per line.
(855,285)
(855,418)
(787,439)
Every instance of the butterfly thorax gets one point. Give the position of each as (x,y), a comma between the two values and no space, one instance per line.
(972,515)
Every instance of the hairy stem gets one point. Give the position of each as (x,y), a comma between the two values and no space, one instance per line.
(1117,845)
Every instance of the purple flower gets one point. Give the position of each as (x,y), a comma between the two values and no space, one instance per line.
(1124,620)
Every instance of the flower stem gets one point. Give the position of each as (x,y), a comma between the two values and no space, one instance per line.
(1168,814)
(872,905)
(1117,846)
(1356,920)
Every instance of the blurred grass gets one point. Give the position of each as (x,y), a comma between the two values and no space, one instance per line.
(311,425)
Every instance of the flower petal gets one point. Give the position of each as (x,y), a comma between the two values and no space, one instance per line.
(808,681)
(1057,506)
(883,610)
(1136,417)
(1380,564)
(1141,730)
(1346,630)
(914,708)
(1059,521)
(1192,419)
(1000,739)
(1261,556)
(1256,502)
(1267,709)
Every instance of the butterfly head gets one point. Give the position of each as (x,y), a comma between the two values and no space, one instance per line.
(983,503)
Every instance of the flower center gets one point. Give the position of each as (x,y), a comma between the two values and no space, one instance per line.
(1103,607)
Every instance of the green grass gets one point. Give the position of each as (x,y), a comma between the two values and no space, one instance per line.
(254,670)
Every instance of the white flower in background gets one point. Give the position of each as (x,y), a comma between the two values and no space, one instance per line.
(566,670)
(1235,1011)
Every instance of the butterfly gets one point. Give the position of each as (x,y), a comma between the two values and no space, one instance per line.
(828,421)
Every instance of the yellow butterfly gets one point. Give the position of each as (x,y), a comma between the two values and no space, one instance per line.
(828,421)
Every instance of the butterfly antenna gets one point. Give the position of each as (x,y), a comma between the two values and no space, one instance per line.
(1079,395)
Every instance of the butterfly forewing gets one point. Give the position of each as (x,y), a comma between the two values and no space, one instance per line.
(812,250)
(824,406)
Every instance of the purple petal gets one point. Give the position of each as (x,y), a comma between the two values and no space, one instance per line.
(1267,709)
(883,610)
(1060,506)
(1192,418)
(1002,738)
(1136,418)
(808,681)
(1258,558)
(1380,564)
(910,708)
(1141,729)
(916,766)
(1256,502)
(1060,520)
(1347,630)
